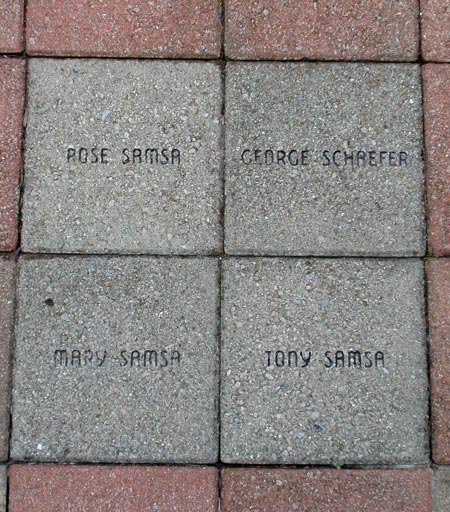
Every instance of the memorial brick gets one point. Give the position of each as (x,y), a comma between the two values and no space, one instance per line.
(324,361)
(116,360)
(325,30)
(435,30)
(112,489)
(12,91)
(119,28)
(441,490)
(7,292)
(11,26)
(326,490)
(123,157)
(438,273)
(436,78)
(324,159)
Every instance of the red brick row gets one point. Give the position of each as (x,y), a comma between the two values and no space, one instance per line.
(259,29)
(127,489)
(12,95)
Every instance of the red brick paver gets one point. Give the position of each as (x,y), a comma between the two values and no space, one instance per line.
(289,490)
(325,29)
(436,30)
(438,272)
(122,28)
(12,87)
(7,291)
(437,135)
(112,489)
(11,26)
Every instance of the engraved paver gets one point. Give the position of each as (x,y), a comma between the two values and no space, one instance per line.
(438,273)
(123,157)
(324,30)
(108,359)
(436,79)
(12,85)
(7,292)
(435,30)
(324,159)
(281,490)
(112,489)
(441,490)
(11,26)
(323,361)
(120,28)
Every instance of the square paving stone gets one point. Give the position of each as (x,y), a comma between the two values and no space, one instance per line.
(12,93)
(112,489)
(324,30)
(435,30)
(116,360)
(441,490)
(324,361)
(287,490)
(123,157)
(120,28)
(438,273)
(436,79)
(11,26)
(7,292)
(324,159)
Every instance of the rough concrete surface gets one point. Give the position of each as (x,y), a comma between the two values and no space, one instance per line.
(138,381)
(319,202)
(7,292)
(324,362)
(110,199)
(3,488)
(441,489)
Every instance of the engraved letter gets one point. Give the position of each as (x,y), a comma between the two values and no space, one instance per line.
(306,358)
(379,358)
(70,154)
(60,357)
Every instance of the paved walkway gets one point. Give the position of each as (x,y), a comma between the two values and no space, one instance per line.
(224,241)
